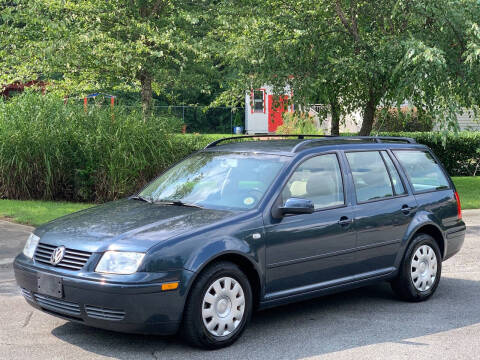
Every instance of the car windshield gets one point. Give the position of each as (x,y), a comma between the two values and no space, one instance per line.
(217,180)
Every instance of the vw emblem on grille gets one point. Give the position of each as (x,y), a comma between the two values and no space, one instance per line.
(57,255)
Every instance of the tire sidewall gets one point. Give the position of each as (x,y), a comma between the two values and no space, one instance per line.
(419,241)
(198,296)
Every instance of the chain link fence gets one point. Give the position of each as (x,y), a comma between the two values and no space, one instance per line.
(203,119)
(195,119)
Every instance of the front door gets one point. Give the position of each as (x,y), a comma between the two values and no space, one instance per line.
(308,251)
(383,210)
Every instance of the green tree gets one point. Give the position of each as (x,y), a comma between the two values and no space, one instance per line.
(352,54)
(146,45)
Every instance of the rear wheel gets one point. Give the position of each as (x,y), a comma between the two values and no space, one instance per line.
(420,270)
(218,308)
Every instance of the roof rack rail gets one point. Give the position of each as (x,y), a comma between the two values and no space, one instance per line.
(377,139)
(396,138)
(298,136)
(315,138)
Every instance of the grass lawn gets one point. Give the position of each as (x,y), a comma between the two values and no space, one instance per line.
(37,212)
(468,188)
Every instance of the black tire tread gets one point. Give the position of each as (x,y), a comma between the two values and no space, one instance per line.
(402,285)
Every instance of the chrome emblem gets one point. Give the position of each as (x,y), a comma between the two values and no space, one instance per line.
(57,255)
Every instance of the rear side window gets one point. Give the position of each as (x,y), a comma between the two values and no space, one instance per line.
(370,175)
(422,169)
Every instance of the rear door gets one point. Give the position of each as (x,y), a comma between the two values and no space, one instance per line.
(383,209)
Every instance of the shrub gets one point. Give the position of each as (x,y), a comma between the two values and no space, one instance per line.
(459,152)
(297,123)
(53,151)
(407,119)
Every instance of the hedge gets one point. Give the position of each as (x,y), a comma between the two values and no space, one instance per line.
(52,151)
(407,119)
(459,152)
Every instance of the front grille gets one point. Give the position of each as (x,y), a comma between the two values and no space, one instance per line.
(104,314)
(72,260)
(26,294)
(57,305)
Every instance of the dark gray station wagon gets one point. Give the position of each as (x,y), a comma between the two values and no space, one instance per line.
(245,225)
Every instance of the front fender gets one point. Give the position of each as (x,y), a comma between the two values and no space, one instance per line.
(193,252)
(223,246)
(230,249)
(421,218)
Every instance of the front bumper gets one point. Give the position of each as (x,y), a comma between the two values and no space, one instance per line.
(132,307)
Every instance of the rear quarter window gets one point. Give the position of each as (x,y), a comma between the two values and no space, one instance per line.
(423,171)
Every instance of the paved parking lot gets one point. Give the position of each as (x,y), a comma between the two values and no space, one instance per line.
(367,323)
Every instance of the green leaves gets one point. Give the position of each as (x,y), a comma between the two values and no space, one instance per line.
(104,44)
(362,53)
(359,54)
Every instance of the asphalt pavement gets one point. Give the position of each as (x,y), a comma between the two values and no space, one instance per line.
(368,323)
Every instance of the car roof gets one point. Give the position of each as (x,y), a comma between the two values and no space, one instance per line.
(290,145)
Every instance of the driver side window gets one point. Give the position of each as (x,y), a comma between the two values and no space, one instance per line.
(318,179)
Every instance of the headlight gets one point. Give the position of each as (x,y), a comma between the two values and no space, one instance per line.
(119,262)
(31,245)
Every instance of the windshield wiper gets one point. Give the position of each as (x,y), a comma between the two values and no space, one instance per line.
(142,198)
(177,203)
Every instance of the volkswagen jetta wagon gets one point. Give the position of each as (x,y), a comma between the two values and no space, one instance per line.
(247,224)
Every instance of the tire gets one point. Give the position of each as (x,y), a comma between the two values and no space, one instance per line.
(415,281)
(210,303)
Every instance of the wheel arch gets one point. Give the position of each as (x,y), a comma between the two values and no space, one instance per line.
(423,222)
(435,233)
(245,264)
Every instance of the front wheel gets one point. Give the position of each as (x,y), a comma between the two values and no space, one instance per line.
(420,270)
(218,308)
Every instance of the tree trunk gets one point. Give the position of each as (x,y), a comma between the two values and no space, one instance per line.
(146,93)
(368,116)
(335,111)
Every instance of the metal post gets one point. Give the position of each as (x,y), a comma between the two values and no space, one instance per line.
(231,120)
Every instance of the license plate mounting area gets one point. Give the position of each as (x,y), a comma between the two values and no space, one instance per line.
(50,285)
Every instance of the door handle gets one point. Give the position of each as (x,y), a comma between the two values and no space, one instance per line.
(407,209)
(344,221)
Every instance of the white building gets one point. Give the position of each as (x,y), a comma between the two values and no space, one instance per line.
(467,121)
(263,114)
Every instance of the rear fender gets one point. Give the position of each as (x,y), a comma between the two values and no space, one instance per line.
(420,219)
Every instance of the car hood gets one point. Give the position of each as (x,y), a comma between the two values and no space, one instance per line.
(128,225)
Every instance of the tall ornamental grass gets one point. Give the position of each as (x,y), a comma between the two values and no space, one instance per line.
(52,151)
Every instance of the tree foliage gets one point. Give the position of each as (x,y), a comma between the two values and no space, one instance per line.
(151,45)
(353,54)
(345,54)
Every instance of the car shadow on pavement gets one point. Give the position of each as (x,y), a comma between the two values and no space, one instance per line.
(365,316)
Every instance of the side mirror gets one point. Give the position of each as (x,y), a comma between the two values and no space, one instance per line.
(297,206)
